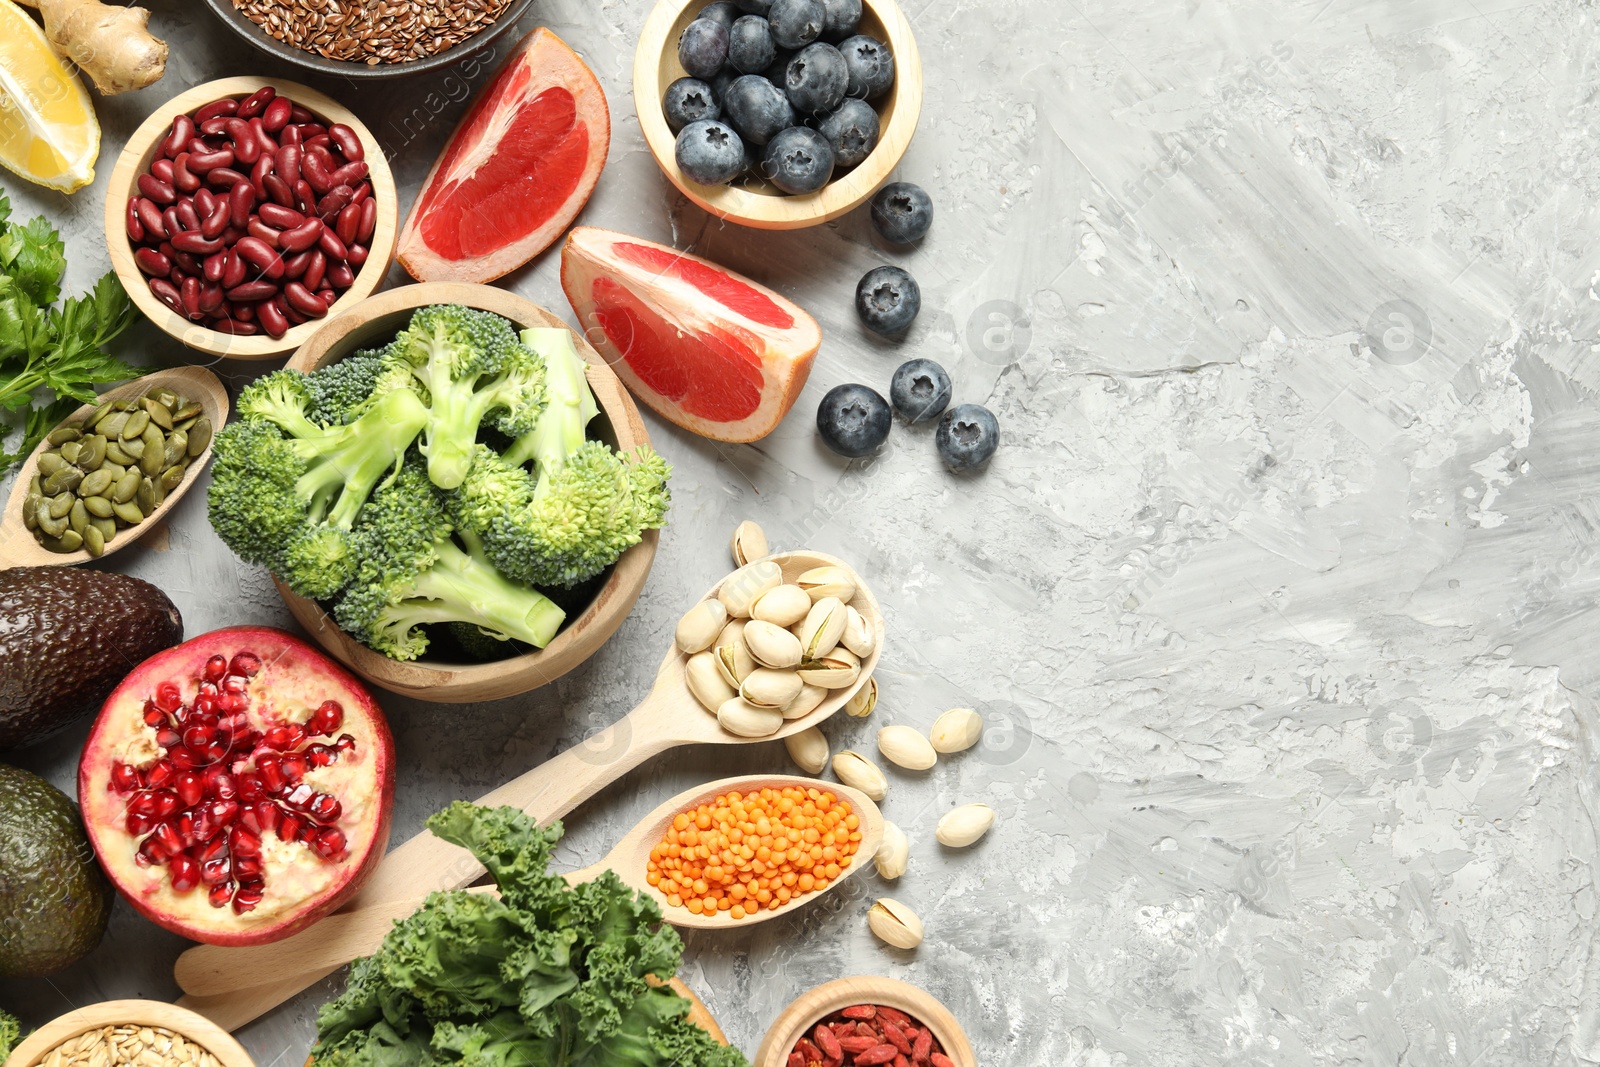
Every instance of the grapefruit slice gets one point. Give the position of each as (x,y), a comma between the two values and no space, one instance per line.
(708,349)
(516,171)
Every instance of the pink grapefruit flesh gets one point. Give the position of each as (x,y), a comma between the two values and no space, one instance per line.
(706,348)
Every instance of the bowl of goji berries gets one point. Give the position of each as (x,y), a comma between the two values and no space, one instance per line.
(865,1022)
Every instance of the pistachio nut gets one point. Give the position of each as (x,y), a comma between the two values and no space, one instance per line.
(772,646)
(809,750)
(705,681)
(839,669)
(859,636)
(894,853)
(823,626)
(700,626)
(749,542)
(734,662)
(767,688)
(866,699)
(905,747)
(783,606)
(962,826)
(740,590)
(894,924)
(819,582)
(744,719)
(956,730)
(858,772)
(810,698)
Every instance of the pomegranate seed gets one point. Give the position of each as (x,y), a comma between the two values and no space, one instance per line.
(167,737)
(166,835)
(267,816)
(346,743)
(325,807)
(271,771)
(222,786)
(124,779)
(167,697)
(215,668)
(299,796)
(138,825)
(329,843)
(247,868)
(281,738)
(190,788)
(186,823)
(153,716)
(245,663)
(241,842)
(248,897)
(235,684)
(220,894)
(321,756)
(328,717)
(160,773)
(223,812)
(294,766)
(232,703)
(216,751)
(144,803)
(250,788)
(184,759)
(185,873)
(148,855)
(205,704)
(196,738)
(167,803)
(289,827)
(216,848)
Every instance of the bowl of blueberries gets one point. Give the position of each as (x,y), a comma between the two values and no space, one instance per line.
(777,114)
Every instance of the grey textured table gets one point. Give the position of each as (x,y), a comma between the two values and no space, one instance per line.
(1278,597)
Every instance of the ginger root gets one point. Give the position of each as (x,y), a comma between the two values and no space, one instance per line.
(109,43)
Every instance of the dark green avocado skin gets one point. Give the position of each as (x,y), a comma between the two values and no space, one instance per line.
(67,637)
(54,899)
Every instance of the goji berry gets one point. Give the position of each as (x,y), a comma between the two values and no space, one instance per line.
(939,1059)
(856,1043)
(896,1037)
(859,1011)
(827,1042)
(875,1056)
(922,1047)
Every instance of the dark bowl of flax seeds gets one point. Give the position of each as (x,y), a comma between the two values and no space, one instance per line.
(370,39)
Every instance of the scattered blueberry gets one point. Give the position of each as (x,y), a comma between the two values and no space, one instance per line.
(723,11)
(799,160)
(887,299)
(902,212)
(840,19)
(754,7)
(795,23)
(852,131)
(690,100)
(703,47)
(853,420)
(756,108)
(750,47)
(920,390)
(871,66)
(710,153)
(967,436)
(816,79)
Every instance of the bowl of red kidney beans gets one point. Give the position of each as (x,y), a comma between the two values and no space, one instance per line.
(866,1021)
(245,211)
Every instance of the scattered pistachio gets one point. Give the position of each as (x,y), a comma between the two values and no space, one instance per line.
(858,772)
(809,750)
(963,826)
(866,699)
(894,853)
(749,542)
(956,730)
(905,747)
(895,924)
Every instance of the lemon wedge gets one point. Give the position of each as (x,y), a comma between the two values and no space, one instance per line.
(48,130)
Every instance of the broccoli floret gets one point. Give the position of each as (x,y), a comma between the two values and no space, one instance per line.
(570,405)
(472,366)
(10,1033)
(283,399)
(412,573)
(339,390)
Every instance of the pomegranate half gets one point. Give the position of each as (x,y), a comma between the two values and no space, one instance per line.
(239,786)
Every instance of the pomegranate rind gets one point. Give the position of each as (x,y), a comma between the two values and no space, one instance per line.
(300,887)
(546,62)
(720,322)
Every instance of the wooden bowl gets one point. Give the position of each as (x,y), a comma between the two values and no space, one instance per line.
(142,147)
(17,546)
(760,205)
(799,1018)
(181,1021)
(375,321)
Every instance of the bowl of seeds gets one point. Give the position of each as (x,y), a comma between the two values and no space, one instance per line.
(367,40)
(130,1033)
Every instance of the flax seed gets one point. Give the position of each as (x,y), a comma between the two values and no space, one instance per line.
(373,31)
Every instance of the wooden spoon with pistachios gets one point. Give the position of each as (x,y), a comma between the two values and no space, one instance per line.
(668,717)
(204,410)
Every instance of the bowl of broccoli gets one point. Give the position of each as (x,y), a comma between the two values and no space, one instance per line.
(455,495)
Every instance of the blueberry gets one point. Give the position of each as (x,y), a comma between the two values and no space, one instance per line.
(920,390)
(723,11)
(871,66)
(799,160)
(796,23)
(690,100)
(710,153)
(840,19)
(816,79)
(967,436)
(778,68)
(887,299)
(852,131)
(756,108)
(902,212)
(703,47)
(853,420)
(754,7)
(750,47)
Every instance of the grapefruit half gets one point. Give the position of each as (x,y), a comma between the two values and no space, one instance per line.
(516,171)
(709,349)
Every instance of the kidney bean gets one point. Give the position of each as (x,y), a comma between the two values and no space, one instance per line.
(252,292)
(305,198)
(217,108)
(260,255)
(241,200)
(349,144)
(333,202)
(215,127)
(186,262)
(369,222)
(213,224)
(244,313)
(187,214)
(233,326)
(182,178)
(316,270)
(288,163)
(215,265)
(290,136)
(317,167)
(295,318)
(152,262)
(276,116)
(301,300)
(278,189)
(294,266)
(162,168)
(320,140)
(131,221)
(348,223)
(189,294)
(246,149)
(234,270)
(264,233)
(303,236)
(211,297)
(363,192)
(264,139)
(225,178)
(358,256)
(167,293)
(264,166)
(196,243)
(340,276)
(273,320)
(330,243)
(182,131)
(205,162)
(205,201)
(256,102)
(284,218)
(173,221)
(157,190)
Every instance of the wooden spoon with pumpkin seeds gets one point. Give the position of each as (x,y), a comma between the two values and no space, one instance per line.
(163,423)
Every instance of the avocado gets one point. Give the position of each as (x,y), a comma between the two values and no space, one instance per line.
(67,637)
(54,899)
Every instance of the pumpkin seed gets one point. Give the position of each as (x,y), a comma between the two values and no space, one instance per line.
(51,526)
(158,413)
(97,483)
(62,434)
(172,476)
(126,487)
(78,517)
(96,416)
(177,448)
(199,437)
(155,450)
(124,404)
(64,480)
(98,506)
(113,424)
(186,411)
(106,526)
(93,456)
(133,446)
(128,512)
(71,450)
(146,497)
(134,427)
(30,511)
(94,542)
(60,504)
(49,463)
(185,424)
(69,541)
